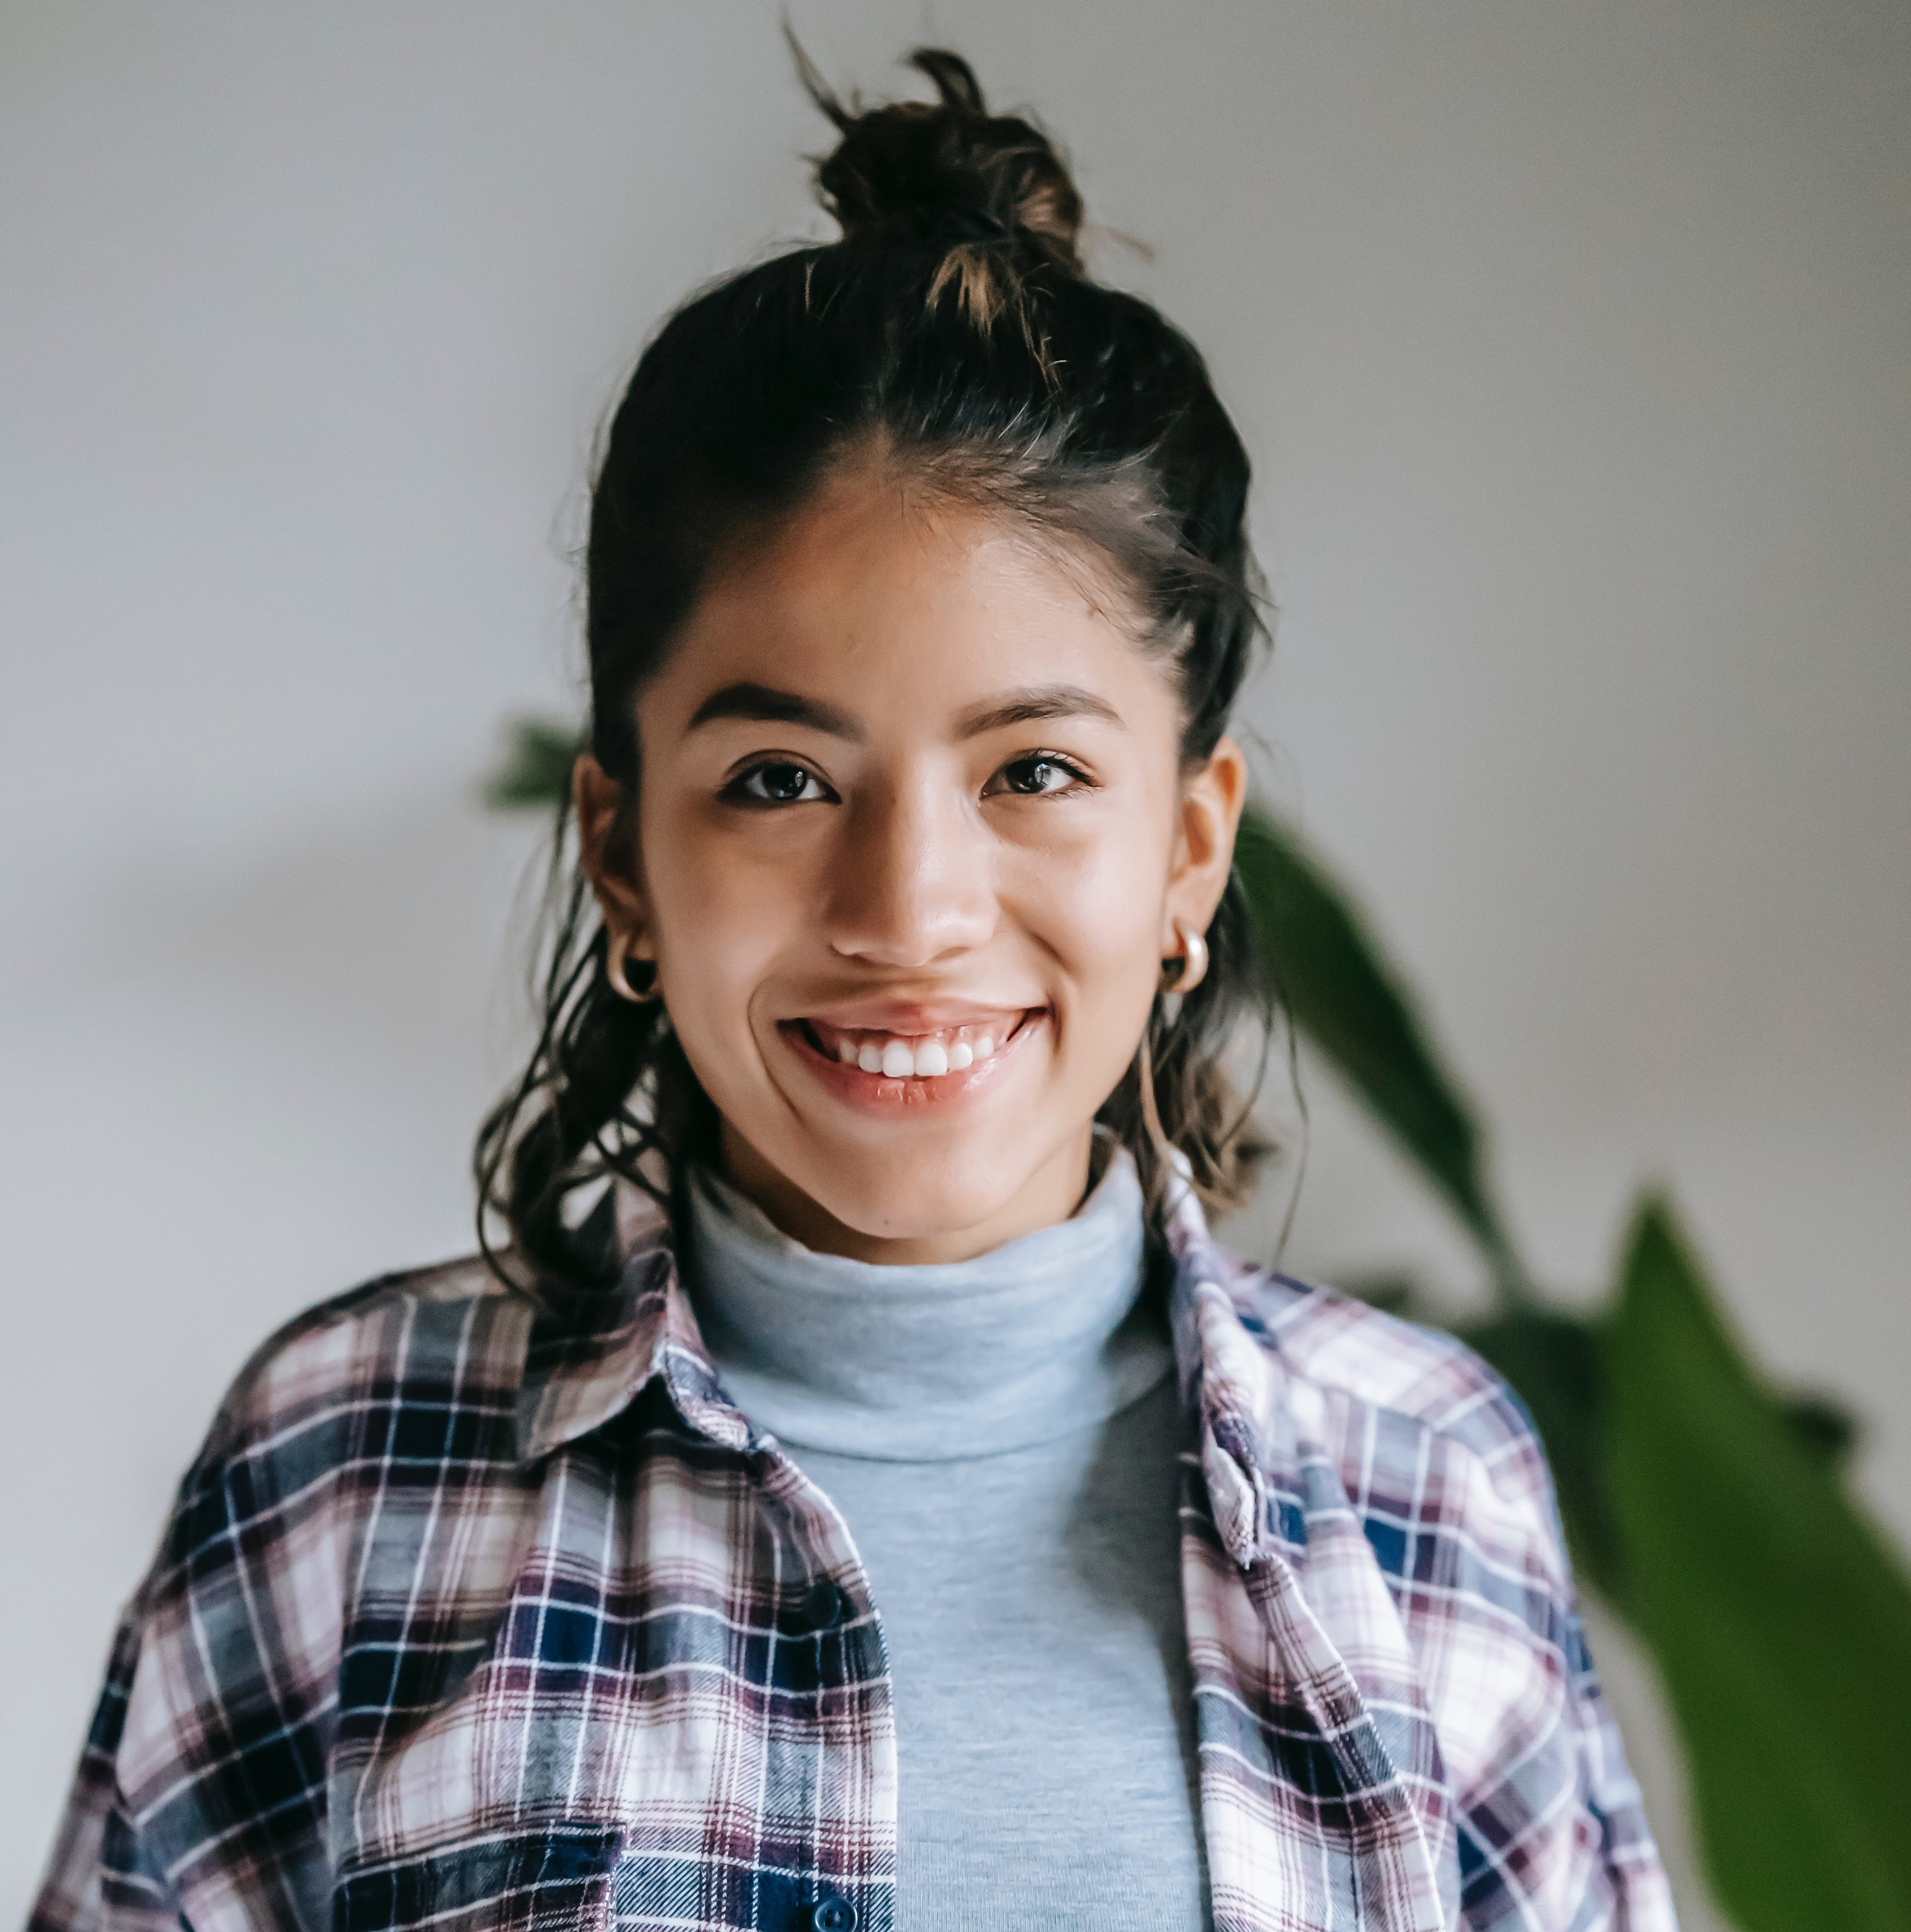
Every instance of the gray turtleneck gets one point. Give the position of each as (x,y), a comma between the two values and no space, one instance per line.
(1001,1437)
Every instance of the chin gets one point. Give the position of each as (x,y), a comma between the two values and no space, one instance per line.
(904,1194)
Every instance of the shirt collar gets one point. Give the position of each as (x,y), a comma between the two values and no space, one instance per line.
(590,1358)
(1232,1370)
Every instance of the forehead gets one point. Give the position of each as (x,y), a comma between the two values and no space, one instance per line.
(874,596)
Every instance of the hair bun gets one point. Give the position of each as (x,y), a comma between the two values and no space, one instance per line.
(946,170)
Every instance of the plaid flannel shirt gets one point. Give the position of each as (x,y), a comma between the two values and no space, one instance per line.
(475,1614)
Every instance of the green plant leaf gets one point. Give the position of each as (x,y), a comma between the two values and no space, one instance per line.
(535,773)
(1823,1424)
(1344,996)
(1781,1623)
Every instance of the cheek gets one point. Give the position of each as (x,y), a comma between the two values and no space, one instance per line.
(718,925)
(1096,905)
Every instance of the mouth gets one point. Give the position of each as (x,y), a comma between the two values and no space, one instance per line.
(912,1062)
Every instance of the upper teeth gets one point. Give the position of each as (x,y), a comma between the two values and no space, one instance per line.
(923,1057)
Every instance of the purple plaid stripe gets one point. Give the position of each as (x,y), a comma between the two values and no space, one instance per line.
(474,1615)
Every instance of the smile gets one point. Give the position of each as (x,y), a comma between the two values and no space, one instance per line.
(877,1064)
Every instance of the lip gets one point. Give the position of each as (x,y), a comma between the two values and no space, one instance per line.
(885,1096)
(907,1018)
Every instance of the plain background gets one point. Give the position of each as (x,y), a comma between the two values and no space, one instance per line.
(1573,342)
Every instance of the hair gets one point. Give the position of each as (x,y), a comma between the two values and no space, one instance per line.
(953,332)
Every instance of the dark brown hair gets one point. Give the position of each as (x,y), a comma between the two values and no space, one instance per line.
(952,328)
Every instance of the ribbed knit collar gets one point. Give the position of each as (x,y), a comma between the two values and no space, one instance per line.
(1044,1336)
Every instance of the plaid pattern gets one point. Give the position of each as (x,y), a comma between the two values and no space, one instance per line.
(474,1615)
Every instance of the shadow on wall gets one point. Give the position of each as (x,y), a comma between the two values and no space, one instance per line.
(372,937)
(256,1075)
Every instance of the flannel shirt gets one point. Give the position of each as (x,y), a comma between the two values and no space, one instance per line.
(480,1614)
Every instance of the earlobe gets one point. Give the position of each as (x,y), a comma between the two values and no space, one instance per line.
(1192,955)
(616,957)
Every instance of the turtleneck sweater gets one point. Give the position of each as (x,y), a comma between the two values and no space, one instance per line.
(1001,1438)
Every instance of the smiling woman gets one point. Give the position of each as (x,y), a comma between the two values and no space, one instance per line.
(851,1489)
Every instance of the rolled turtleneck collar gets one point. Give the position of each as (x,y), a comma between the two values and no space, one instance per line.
(1043,1336)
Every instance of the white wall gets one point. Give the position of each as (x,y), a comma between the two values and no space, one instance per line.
(1572,342)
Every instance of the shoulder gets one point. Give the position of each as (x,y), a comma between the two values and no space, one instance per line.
(1436,1456)
(451,1331)
(348,1418)
(1427,1379)
(366,1394)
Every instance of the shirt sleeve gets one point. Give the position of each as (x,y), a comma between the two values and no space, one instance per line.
(1629,1871)
(99,1878)
(1552,1828)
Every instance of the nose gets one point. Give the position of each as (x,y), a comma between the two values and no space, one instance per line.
(912,881)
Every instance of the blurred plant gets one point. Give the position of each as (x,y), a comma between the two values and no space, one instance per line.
(1707,1508)
(535,775)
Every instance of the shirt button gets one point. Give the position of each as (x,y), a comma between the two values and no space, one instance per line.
(823,1608)
(833,1914)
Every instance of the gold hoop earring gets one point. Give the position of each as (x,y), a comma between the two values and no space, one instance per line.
(1194,962)
(616,947)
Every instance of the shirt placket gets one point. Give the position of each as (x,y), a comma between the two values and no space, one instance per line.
(792,1757)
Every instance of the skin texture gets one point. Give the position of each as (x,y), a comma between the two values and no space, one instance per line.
(912,850)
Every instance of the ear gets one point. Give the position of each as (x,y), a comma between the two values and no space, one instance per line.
(607,847)
(1211,800)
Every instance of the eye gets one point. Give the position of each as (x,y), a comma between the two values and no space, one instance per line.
(778,781)
(1041,774)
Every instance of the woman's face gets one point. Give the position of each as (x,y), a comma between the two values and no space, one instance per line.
(912,836)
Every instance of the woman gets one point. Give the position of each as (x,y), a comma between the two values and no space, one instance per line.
(856,1255)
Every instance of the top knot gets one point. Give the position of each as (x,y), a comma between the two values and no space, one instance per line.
(946,171)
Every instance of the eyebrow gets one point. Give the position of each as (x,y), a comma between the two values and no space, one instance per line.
(761,704)
(1039,701)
